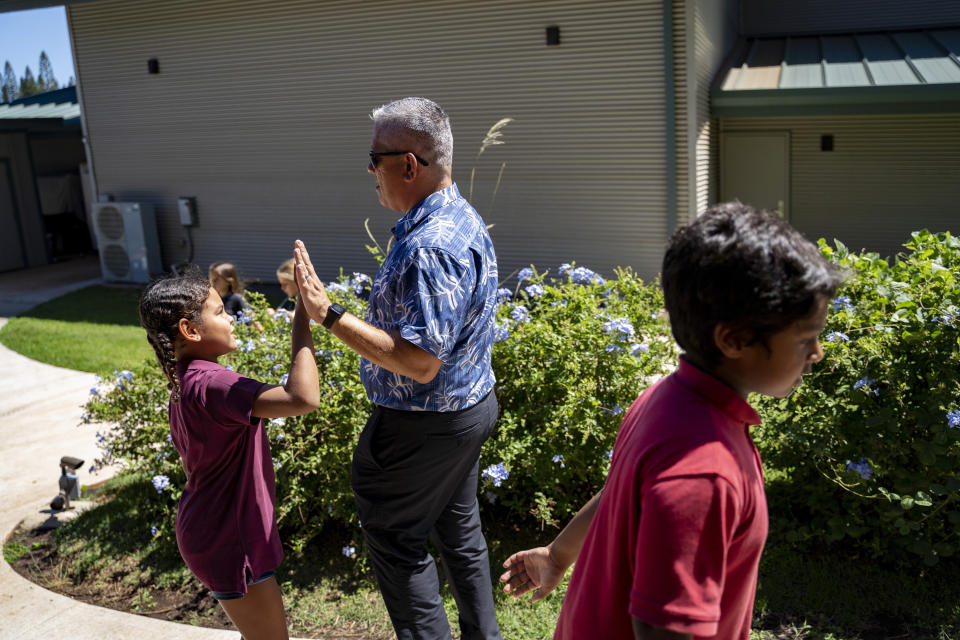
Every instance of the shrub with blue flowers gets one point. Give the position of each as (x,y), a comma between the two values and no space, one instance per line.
(867,451)
(562,391)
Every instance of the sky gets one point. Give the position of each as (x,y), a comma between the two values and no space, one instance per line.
(24,34)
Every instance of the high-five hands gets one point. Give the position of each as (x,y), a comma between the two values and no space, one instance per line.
(532,569)
(312,292)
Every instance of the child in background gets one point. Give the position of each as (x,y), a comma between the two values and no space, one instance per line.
(288,283)
(224,278)
(226,529)
(670,546)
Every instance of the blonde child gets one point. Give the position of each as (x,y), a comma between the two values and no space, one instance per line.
(226,530)
(288,283)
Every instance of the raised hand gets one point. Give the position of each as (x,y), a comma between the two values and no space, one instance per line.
(532,569)
(313,294)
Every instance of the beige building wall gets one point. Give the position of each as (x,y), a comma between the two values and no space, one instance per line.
(888,175)
(704,32)
(784,17)
(260,112)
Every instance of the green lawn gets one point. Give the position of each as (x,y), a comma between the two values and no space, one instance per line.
(94,329)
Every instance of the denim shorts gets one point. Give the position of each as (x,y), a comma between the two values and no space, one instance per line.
(234,595)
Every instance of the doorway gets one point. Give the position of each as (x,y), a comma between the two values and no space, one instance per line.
(755,169)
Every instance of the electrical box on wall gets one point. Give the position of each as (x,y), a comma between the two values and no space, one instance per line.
(188,211)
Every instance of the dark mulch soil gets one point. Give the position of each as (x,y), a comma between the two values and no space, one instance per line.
(190,604)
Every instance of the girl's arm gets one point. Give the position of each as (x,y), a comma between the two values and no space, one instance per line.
(301,393)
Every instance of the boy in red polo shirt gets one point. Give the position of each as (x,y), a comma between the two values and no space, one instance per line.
(670,546)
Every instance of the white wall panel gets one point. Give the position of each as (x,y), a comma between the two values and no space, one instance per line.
(260,111)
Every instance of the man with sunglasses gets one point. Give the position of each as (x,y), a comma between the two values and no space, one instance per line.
(426,343)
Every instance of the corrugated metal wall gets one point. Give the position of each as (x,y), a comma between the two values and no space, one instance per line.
(260,111)
(703,33)
(887,176)
(783,17)
(713,31)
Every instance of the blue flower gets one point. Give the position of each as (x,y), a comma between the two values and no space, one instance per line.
(620,327)
(564,268)
(609,453)
(349,551)
(946,318)
(842,303)
(100,437)
(284,379)
(278,422)
(160,483)
(520,314)
(504,294)
(613,348)
(525,274)
(862,468)
(92,469)
(501,331)
(243,317)
(248,346)
(558,459)
(615,410)
(837,336)
(497,473)
(868,383)
(636,349)
(338,287)
(534,290)
(154,531)
(94,391)
(953,419)
(582,275)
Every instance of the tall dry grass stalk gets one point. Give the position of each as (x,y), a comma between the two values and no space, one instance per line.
(492,138)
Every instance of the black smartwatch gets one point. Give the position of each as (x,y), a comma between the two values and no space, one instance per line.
(334,311)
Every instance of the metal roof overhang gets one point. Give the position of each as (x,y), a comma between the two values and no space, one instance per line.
(23,5)
(867,73)
(926,98)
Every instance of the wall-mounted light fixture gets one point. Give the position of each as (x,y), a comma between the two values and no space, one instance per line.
(153,66)
(553,36)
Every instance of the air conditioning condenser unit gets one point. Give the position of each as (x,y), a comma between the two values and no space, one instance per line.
(127,240)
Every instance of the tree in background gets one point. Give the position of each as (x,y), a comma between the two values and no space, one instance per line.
(46,81)
(8,88)
(28,84)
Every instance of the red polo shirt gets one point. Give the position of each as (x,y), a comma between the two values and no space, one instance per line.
(678,533)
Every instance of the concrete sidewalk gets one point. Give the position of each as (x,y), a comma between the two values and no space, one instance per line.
(40,408)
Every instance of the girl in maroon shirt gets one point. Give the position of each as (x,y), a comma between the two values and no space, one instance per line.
(226,529)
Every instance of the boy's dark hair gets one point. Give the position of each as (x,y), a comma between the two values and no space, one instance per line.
(742,268)
(162,304)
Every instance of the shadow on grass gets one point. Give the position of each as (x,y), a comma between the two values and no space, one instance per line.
(99,304)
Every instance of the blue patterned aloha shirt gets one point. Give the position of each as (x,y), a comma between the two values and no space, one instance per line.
(438,287)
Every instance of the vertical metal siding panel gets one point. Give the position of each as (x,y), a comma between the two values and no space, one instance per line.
(260,111)
(681,90)
(714,32)
(783,17)
(887,176)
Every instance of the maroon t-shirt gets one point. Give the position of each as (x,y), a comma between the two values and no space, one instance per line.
(677,536)
(226,529)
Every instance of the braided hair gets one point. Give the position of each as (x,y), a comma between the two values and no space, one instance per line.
(163,303)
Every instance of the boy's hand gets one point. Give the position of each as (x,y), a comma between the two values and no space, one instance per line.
(313,295)
(532,569)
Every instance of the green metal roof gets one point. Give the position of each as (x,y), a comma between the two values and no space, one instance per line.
(59,104)
(890,72)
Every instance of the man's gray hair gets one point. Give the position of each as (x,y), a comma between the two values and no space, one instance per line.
(425,122)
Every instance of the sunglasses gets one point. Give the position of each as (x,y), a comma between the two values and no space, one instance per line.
(376,155)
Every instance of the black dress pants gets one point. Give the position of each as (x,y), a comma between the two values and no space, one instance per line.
(414,475)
